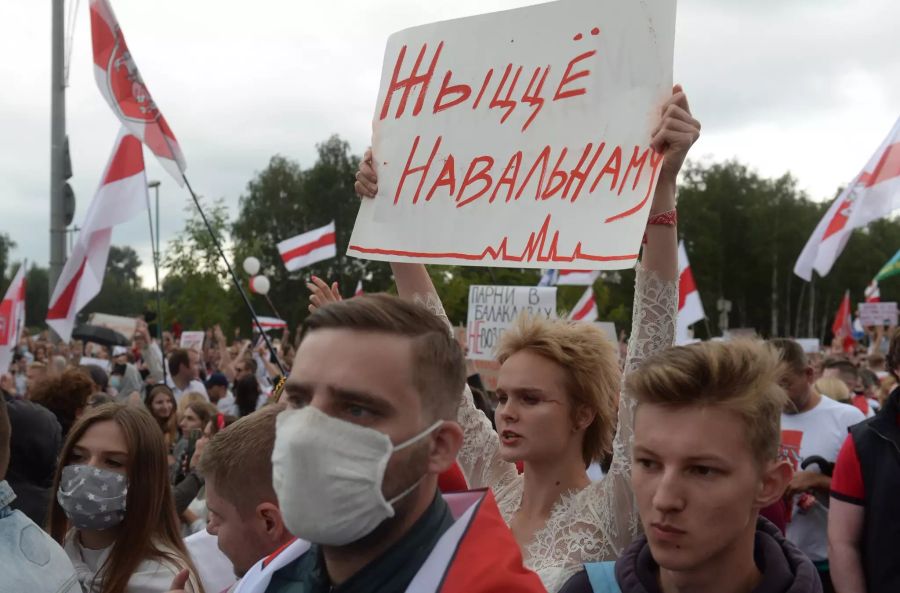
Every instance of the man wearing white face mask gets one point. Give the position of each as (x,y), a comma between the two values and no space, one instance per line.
(373,395)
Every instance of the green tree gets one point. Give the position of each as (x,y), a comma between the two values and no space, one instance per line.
(121,293)
(6,246)
(285,200)
(196,290)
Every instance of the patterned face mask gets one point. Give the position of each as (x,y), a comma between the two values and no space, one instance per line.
(92,498)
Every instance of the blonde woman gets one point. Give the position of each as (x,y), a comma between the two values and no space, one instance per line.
(557,388)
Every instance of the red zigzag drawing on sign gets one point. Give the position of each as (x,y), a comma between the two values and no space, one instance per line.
(534,251)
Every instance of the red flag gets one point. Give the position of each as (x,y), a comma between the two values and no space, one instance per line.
(12,318)
(308,248)
(690,307)
(123,88)
(122,194)
(842,328)
(586,307)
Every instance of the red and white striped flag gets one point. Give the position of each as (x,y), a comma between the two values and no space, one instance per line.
(874,194)
(12,318)
(873,293)
(586,307)
(123,88)
(268,323)
(359,289)
(576,277)
(308,248)
(122,195)
(690,307)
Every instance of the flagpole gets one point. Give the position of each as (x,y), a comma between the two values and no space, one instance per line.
(154,247)
(234,278)
(57,146)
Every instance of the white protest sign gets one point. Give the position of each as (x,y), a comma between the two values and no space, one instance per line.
(878,314)
(123,325)
(192,340)
(493,309)
(520,138)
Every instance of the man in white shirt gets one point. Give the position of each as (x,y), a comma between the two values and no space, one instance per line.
(811,425)
(184,369)
(217,389)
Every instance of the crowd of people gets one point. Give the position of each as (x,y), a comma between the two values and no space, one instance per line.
(384,465)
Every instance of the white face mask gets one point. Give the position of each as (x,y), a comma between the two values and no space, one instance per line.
(328,475)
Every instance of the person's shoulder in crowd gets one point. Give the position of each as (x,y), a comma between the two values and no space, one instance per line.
(784,568)
(31,561)
(34,445)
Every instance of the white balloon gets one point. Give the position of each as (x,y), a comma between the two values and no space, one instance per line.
(251,265)
(260,285)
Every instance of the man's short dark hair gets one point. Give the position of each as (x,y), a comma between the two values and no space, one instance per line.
(177,358)
(438,366)
(791,354)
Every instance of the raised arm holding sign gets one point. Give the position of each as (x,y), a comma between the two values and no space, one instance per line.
(520,138)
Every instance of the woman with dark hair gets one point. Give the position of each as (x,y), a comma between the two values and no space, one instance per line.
(114,512)
(247,395)
(160,401)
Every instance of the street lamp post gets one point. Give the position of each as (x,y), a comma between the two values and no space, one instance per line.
(154,247)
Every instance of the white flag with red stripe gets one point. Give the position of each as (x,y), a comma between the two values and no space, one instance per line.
(122,195)
(268,323)
(586,307)
(576,277)
(690,307)
(359,289)
(874,194)
(12,318)
(873,293)
(310,247)
(123,88)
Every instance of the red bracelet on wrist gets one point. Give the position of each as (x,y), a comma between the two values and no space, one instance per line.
(668,218)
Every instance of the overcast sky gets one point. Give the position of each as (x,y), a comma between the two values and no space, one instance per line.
(806,86)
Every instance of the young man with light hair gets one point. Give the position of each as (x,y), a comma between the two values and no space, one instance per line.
(706,460)
(244,519)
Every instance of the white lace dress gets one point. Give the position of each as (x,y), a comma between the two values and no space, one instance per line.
(599,521)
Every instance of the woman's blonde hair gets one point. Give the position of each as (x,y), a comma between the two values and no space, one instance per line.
(834,388)
(187,399)
(741,376)
(590,362)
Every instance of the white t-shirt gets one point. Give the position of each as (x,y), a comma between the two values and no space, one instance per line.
(820,431)
(193,386)
(216,570)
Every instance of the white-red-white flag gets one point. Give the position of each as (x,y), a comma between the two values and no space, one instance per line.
(690,307)
(12,318)
(123,88)
(873,293)
(122,195)
(586,307)
(874,194)
(359,289)
(576,277)
(308,248)
(842,327)
(268,323)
